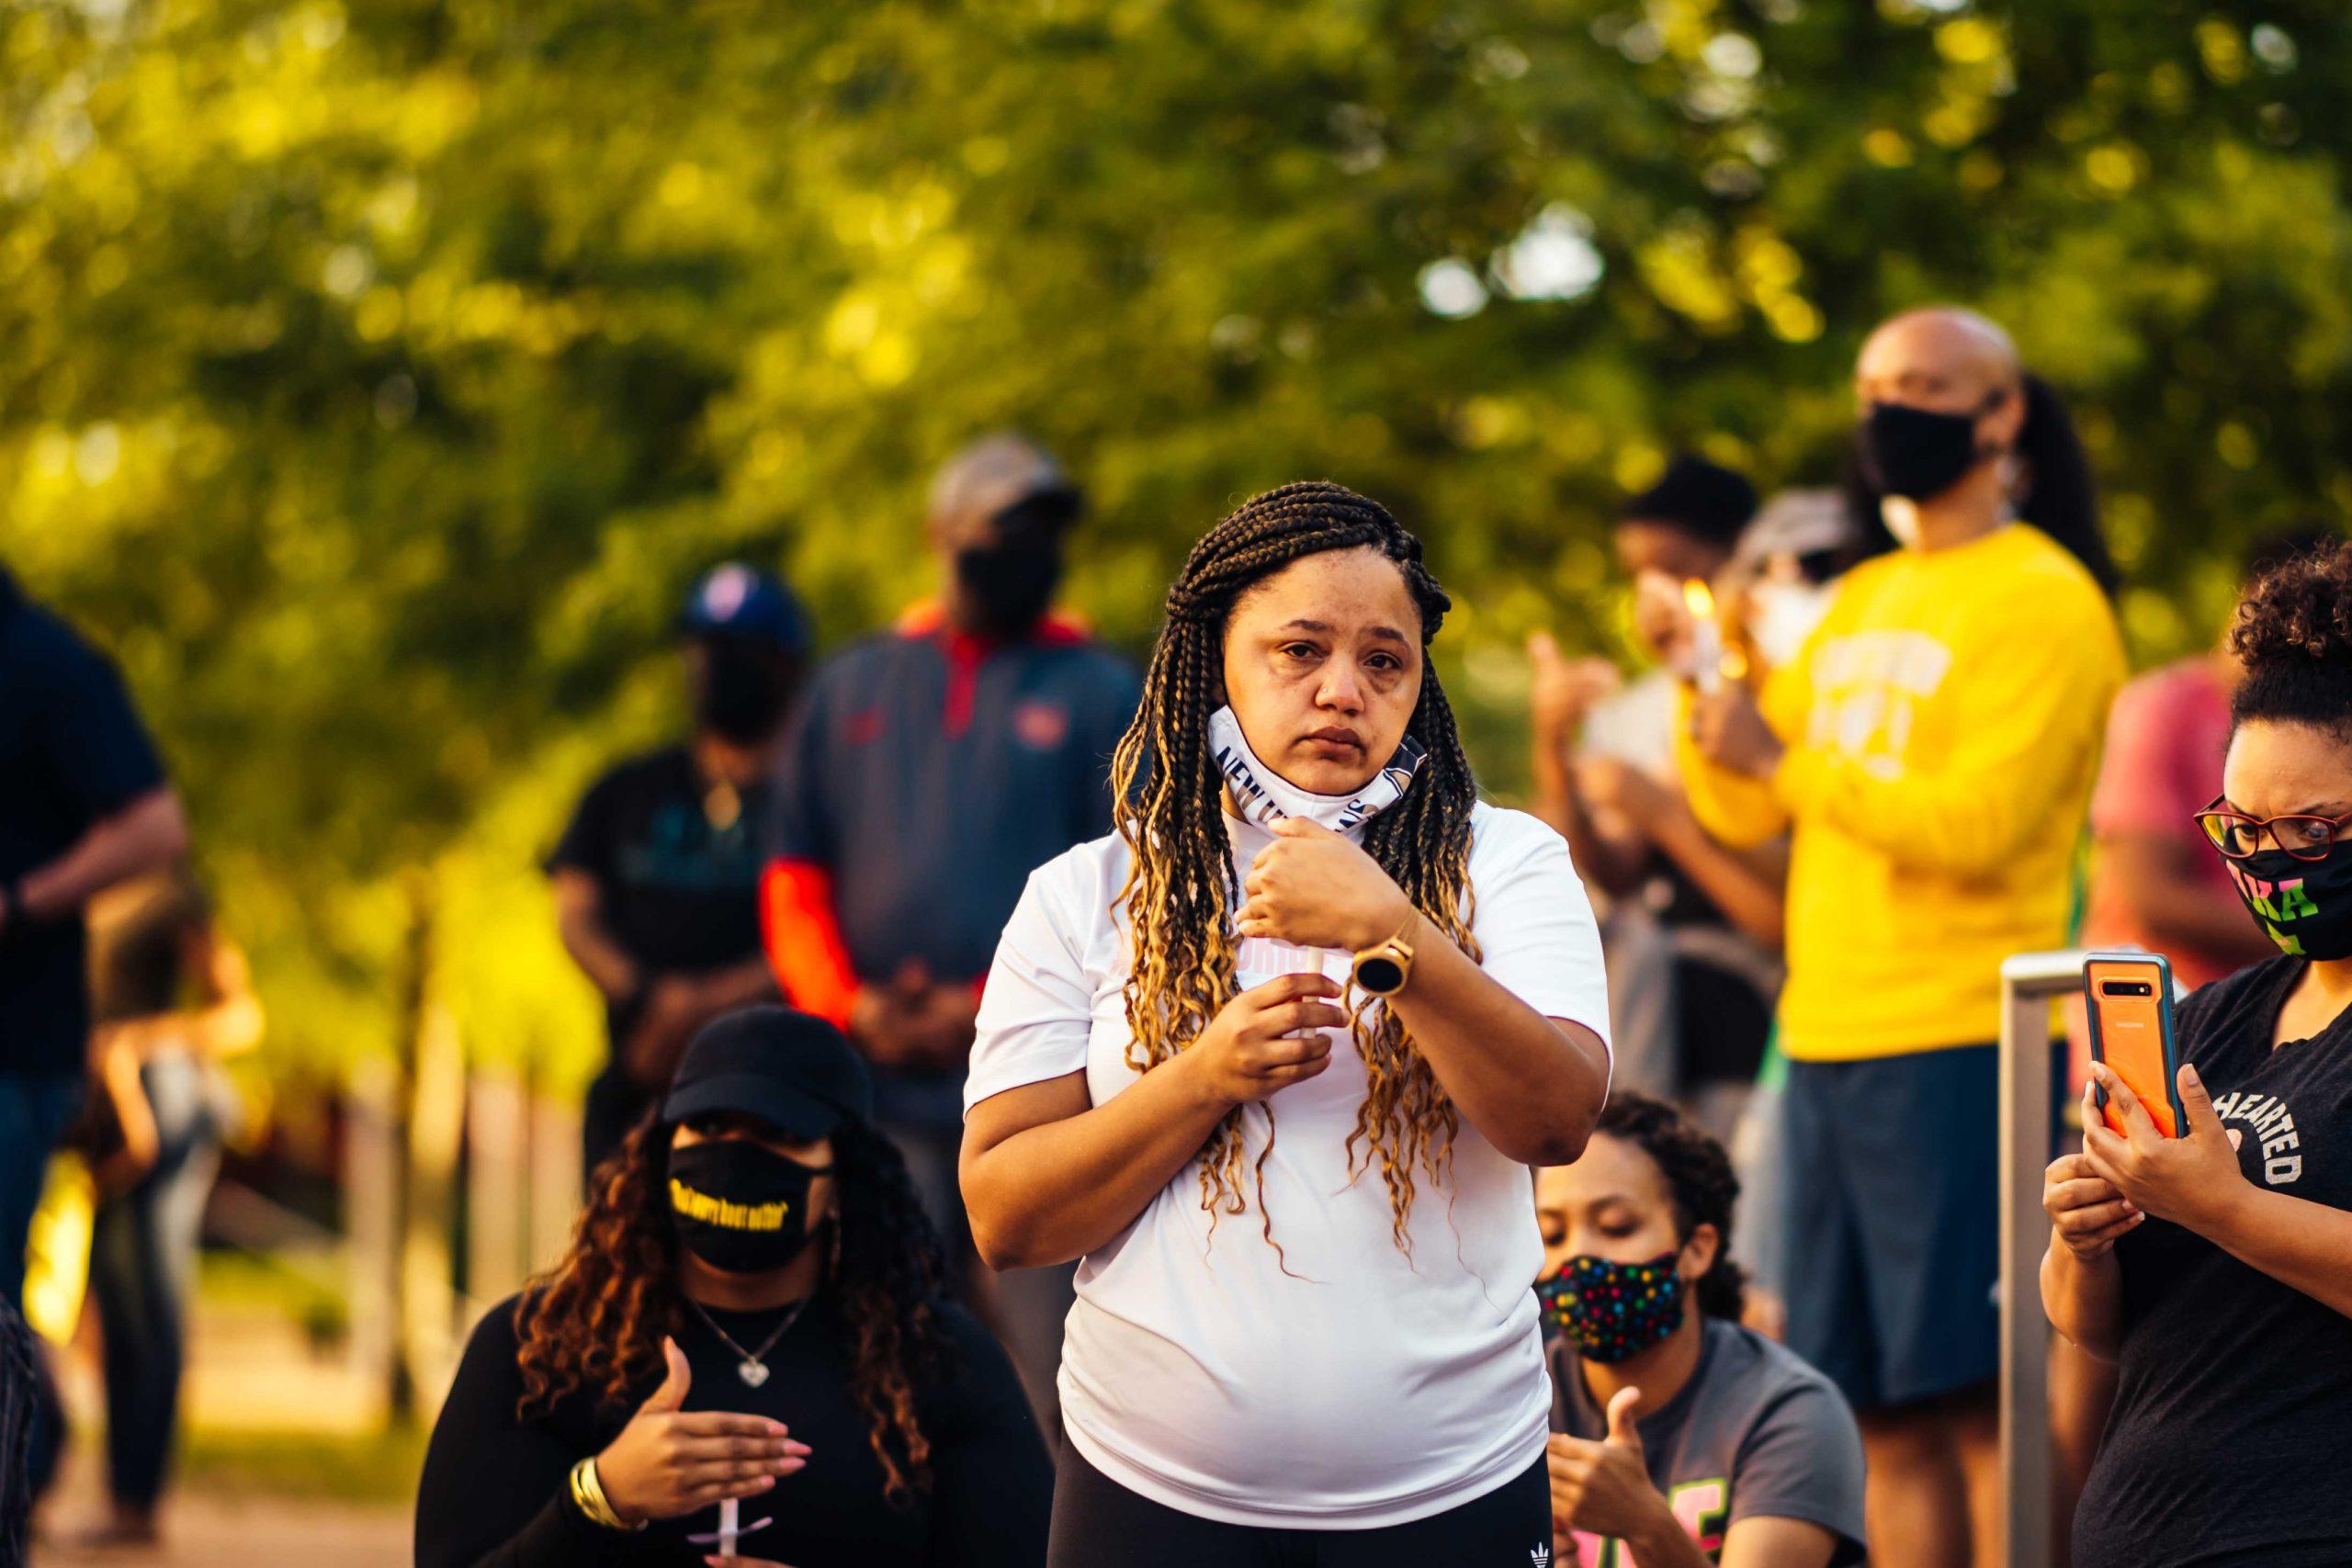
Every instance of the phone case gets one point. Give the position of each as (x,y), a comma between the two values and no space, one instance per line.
(2134,1035)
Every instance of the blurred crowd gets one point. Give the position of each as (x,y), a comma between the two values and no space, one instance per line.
(1868,731)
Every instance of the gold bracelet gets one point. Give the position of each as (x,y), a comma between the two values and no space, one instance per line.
(588,1496)
(596,1489)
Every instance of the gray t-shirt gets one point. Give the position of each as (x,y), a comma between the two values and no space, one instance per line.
(1755,1433)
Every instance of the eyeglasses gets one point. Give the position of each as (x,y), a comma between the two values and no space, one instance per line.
(2236,835)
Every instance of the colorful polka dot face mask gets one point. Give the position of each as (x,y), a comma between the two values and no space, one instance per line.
(1614,1310)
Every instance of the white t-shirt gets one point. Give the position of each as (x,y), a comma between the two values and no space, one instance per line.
(1361,1387)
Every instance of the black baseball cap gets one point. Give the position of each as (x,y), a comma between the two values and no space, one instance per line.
(793,1070)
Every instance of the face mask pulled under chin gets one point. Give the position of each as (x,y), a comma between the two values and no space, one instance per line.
(739,1206)
(1264,796)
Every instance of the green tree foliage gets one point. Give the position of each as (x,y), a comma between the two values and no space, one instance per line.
(373,378)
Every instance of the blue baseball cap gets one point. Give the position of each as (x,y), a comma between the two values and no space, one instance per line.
(739,599)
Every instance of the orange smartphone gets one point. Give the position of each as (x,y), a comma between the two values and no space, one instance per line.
(2128,997)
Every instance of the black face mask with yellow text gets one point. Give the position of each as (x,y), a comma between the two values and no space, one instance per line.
(739,1206)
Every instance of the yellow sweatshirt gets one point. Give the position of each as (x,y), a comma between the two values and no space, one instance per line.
(1942,726)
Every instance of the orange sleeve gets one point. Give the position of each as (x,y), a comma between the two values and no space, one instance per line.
(804,939)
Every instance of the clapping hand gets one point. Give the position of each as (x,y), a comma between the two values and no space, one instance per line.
(1564,689)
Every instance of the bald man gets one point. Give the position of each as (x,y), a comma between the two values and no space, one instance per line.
(1931,749)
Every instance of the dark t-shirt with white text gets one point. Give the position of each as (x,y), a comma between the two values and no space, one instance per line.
(2234,1400)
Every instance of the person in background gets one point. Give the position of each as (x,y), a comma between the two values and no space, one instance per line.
(657,877)
(83,804)
(931,769)
(751,1310)
(1693,929)
(1932,747)
(1684,1438)
(1786,569)
(2211,1268)
(1778,588)
(172,999)
(2155,881)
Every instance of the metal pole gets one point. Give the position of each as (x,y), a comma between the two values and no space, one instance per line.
(2028,982)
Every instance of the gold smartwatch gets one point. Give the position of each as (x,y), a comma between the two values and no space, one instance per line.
(1381,969)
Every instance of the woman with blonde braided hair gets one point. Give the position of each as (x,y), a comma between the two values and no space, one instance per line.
(1271,1061)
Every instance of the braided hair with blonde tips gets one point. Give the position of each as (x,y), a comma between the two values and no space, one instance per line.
(1181,893)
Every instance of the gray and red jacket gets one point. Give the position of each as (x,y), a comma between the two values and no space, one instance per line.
(927,772)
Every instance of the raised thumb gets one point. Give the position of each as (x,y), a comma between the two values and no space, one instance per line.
(672,1392)
(1621,1417)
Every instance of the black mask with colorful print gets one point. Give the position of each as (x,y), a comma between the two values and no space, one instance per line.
(2304,906)
(739,1206)
(1613,1311)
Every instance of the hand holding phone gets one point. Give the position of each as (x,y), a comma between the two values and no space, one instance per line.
(2128,997)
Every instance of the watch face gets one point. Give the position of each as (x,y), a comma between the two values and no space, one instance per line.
(1380,975)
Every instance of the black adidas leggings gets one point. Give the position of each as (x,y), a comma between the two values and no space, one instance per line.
(1100,1524)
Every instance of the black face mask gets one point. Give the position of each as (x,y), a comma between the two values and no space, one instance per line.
(739,1206)
(743,691)
(2304,906)
(1010,583)
(1917,452)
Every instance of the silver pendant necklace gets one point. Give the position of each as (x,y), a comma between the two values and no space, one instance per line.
(751,1368)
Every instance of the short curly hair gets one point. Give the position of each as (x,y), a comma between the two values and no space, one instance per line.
(2293,635)
(1699,1176)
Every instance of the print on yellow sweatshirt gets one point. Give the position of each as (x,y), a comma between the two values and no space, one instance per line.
(1943,726)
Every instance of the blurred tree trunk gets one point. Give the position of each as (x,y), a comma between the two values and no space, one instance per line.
(497,1140)
(555,1169)
(371,1197)
(406,1121)
(436,1122)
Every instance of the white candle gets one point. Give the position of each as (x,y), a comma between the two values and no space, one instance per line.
(1706,636)
(730,1525)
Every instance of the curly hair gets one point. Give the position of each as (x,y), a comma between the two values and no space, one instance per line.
(1698,1173)
(2294,634)
(1181,889)
(595,1321)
